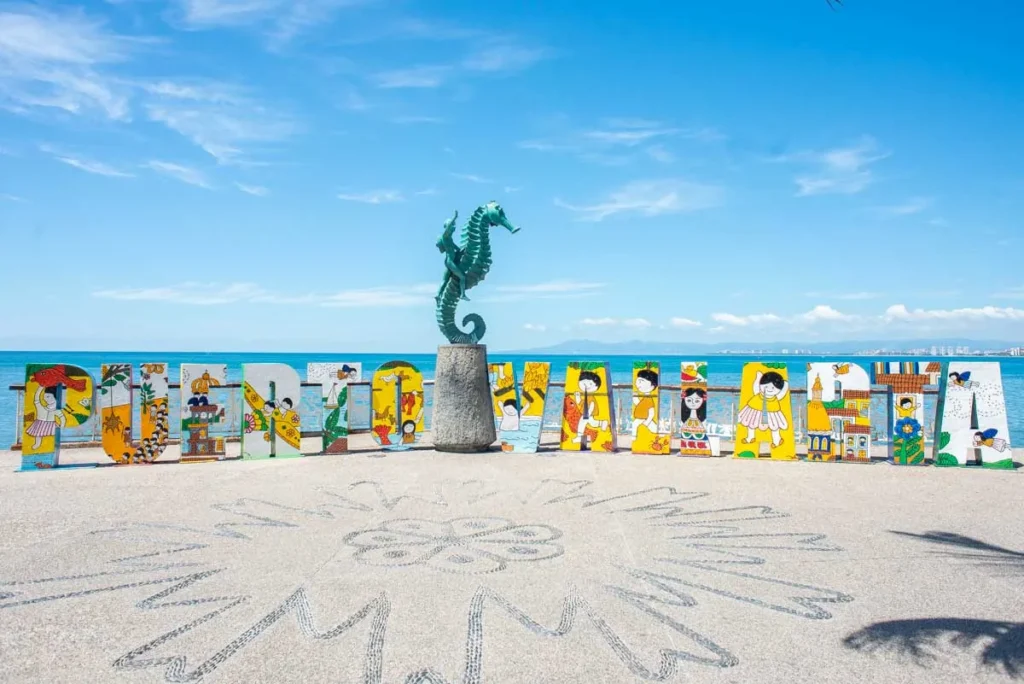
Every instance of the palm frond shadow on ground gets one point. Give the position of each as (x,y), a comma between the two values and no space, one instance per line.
(925,640)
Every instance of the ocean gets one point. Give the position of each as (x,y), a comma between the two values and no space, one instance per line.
(723,371)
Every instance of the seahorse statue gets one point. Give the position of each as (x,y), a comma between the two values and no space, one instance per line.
(466,265)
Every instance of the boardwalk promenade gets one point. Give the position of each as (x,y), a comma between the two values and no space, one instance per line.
(427,567)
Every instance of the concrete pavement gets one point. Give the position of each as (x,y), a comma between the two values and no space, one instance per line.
(427,567)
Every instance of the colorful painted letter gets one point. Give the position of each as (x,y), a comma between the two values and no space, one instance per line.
(972,428)
(334,379)
(518,416)
(693,431)
(115,400)
(648,438)
(588,421)
(397,405)
(56,396)
(271,426)
(766,413)
(905,382)
(198,415)
(838,412)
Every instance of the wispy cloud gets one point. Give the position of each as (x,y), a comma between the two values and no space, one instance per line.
(214,294)
(218,117)
(472,178)
(535,327)
(650,198)
(897,315)
(373,196)
(281,20)
(617,141)
(553,289)
(185,174)
(424,76)
(914,205)
(257,190)
(679,322)
(840,170)
(417,120)
(506,56)
(900,313)
(634,323)
(11,198)
(89,166)
(55,60)
(511,189)
(744,321)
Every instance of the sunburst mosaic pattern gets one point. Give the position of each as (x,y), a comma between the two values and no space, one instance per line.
(653,580)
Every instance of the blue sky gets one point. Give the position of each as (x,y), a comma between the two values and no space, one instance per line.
(272,174)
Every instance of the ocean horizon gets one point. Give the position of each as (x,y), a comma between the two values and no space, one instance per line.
(724,370)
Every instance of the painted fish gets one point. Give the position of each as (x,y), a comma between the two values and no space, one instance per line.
(57,375)
(571,411)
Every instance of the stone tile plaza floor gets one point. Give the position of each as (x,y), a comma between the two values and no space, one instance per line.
(426,567)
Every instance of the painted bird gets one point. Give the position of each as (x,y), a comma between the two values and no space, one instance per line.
(962,379)
(689,374)
(57,375)
(841,368)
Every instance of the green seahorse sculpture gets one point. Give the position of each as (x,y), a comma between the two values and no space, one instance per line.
(466,265)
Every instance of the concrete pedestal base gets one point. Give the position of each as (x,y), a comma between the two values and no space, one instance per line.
(463,420)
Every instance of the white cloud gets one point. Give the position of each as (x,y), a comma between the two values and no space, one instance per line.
(185,174)
(636,323)
(281,19)
(659,154)
(426,192)
(472,178)
(899,312)
(678,322)
(614,141)
(218,117)
(257,190)
(426,76)
(743,321)
(840,170)
(599,321)
(89,166)
(51,59)
(4,197)
(823,312)
(1016,292)
(536,327)
(553,287)
(914,205)
(212,294)
(651,198)
(510,189)
(503,58)
(373,196)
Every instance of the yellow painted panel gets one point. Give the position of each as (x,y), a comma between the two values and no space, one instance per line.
(397,405)
(588,421)
(765,417)
(645,411)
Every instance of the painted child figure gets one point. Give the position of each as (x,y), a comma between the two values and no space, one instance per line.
(48,416)
(589,383)
(764,410)
(987,438)
(644,408)
(509,416)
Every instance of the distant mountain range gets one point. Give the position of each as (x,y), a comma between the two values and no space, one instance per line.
(637,347)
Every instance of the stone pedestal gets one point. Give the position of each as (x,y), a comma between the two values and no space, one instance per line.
(463,419)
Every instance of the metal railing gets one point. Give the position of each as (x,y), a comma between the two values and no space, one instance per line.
(310,409)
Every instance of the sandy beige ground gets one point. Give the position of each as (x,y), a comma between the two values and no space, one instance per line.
(426,567)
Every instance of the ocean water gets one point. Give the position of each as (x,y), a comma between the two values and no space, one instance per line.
(723,371)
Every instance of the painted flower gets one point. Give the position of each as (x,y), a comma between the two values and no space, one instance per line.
(907,428)
(462,545)
(250,423)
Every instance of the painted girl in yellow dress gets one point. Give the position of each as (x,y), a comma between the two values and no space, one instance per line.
(764,410)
